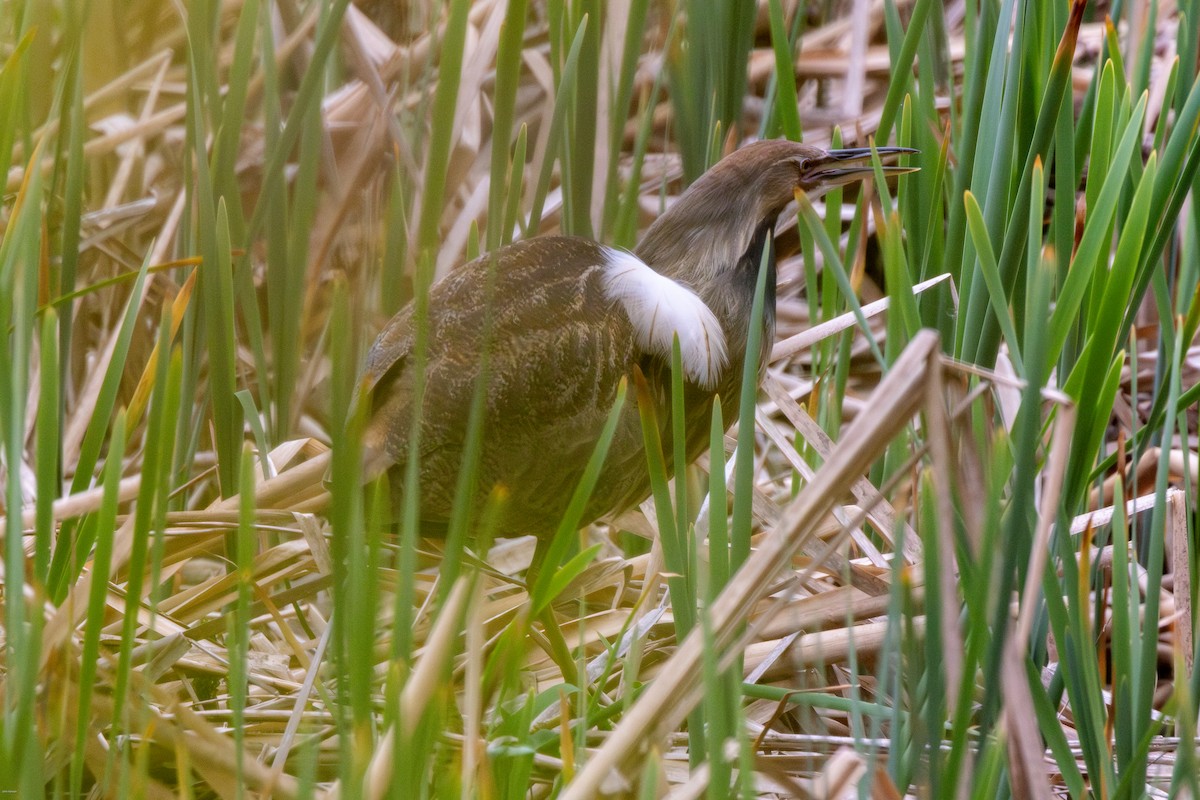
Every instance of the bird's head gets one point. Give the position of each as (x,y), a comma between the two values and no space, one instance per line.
(788,166)
(724,214)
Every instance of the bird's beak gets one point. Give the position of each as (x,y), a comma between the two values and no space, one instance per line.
(838,167)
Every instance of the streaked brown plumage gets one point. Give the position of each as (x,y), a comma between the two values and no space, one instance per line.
(567,326)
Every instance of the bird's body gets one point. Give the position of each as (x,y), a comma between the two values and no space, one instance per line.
(559,350)
(564,320)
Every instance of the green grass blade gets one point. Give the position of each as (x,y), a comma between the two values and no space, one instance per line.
(786,103)
(442,136)
(61,574)
(903,66)
(89,663)
(508,71)
(238,634)
(1096,235)
(578,154)
(618,111)
(516,177)
(152,499)
(833,264)
(47,454)
(540,593)
(215,282)
(991,277)
(563,101)
(743,476)
(719,560)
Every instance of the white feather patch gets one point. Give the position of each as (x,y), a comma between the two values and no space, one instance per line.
(659,308)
